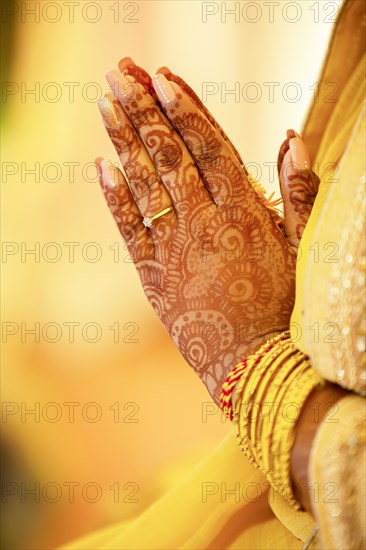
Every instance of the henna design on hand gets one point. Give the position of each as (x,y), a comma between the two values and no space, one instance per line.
(217,270)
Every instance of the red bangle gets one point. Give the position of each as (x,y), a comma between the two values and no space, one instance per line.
(226,403)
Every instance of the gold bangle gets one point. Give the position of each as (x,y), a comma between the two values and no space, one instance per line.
(267,381)
(308,380)
(272,396)
(256,365)
(279,375)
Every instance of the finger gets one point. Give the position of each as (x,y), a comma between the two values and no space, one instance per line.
(147,189)
(196,100)
(124,210)
(299,187)
(219,167)
(270,203)
(284,148)
(170,156)
(128,66)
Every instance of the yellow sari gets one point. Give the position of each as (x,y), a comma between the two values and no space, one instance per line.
(225,502)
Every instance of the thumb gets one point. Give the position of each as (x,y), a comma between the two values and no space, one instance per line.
(299,187)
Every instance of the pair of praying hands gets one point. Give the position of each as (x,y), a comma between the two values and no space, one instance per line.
(215,260)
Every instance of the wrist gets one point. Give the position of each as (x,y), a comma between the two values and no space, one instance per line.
(255,346)
(273,387)
(238,354)
(315,408)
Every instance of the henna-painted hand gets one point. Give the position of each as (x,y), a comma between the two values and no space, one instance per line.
(298,184)
(299,187)
(217,269)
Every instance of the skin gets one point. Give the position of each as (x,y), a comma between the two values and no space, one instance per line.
(316,407)
(219,269)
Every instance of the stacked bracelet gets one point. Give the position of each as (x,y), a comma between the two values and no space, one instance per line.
(272,386)
(235,375)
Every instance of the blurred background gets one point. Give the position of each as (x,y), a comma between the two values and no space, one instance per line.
(100,413)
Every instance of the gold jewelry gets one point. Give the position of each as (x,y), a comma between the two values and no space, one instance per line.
(303,381)
(249,379)
(149,221)
(279,377)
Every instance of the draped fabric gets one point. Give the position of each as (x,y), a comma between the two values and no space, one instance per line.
(225,502)
(329,134)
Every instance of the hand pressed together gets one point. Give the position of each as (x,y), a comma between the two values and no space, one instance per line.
(217,267)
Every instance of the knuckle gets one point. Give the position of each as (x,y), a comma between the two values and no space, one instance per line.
(168,157)
(140,179)
(125,141)
(206,150)
(144,184)
(200,138)
(144,116)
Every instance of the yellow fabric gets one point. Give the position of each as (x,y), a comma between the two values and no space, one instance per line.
(340,232)
(327,133)
(182,519)
(345,50)
(342,519)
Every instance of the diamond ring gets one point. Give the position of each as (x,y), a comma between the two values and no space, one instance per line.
(149,221)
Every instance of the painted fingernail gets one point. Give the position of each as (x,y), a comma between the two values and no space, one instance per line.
(123,88)
(299,154)
(109,174)
(164,89)
(125,63)
(164,70)
(110,114)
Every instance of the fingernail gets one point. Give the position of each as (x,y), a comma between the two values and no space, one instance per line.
(111,116)
(299,154)
(125,63)
(109,174)
(164,70)
(164,89)
(289,168)
(291,134)
(123,88)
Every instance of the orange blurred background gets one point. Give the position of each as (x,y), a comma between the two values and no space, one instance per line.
(117,414)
